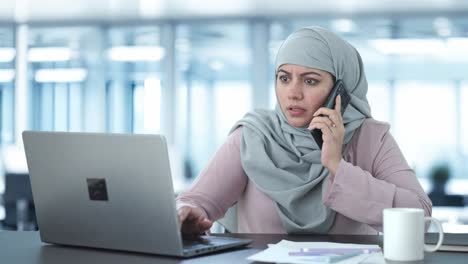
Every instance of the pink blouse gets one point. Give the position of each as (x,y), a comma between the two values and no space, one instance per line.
(373,175)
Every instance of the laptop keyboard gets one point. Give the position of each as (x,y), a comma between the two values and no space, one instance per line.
(196,243)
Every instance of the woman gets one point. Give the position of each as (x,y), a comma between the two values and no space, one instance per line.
(273,169)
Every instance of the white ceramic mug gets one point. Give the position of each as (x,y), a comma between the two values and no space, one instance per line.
(404,230)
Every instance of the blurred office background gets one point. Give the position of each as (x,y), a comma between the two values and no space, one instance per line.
(190,69)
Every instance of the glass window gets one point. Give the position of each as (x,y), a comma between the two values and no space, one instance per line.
(134,82)
(214,63)
(60,74)
(92,79)
(232,99)
(201,125)
(425,123)
(378,96)
(7,79)
(75,109)
(464,120)
(278,32)
(146,106)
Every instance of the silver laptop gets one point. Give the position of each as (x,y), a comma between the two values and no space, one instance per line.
(111,191)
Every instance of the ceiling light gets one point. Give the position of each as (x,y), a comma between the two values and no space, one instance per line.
(343,25)
(60,75)
(7,54)
(49,54)
(216,65)
(408,46)
(7,75)
(136,53)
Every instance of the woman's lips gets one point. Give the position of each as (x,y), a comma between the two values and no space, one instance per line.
(296,111)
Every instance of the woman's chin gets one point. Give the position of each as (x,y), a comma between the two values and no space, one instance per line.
(296,122)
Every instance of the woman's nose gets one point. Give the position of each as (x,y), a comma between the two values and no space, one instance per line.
(295,91)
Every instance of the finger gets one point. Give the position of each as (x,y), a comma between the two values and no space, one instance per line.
(183,209)
(191,214)
(324,111)
(333,117)
(188,227)
(192,227)
(197,227)
(183,213)
(335,120)
(338,104)
(204,225)
(321,119)
(323,127)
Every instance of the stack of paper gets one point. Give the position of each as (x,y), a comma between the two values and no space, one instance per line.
(319,252)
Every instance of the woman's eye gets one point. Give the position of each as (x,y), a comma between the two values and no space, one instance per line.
(283,78)
(310,81)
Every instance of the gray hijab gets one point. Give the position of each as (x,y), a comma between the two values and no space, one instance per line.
(284,161)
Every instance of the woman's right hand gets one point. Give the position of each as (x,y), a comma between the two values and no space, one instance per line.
(193,220)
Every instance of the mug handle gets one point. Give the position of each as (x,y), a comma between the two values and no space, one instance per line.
(428,248)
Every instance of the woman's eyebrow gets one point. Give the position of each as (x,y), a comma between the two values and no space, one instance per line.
(302,74)
(307,73)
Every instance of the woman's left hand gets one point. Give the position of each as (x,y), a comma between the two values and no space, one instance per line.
(332,127)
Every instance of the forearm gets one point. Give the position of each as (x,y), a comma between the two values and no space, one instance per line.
(357,194)
(221,183)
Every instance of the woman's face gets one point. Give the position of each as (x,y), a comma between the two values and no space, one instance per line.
(301,91)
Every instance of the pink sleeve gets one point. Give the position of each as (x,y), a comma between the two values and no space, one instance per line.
(221,183)
(360,195)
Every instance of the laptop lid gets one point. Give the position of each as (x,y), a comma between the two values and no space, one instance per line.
(109,191)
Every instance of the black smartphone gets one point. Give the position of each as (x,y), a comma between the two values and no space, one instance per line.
(338,89)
